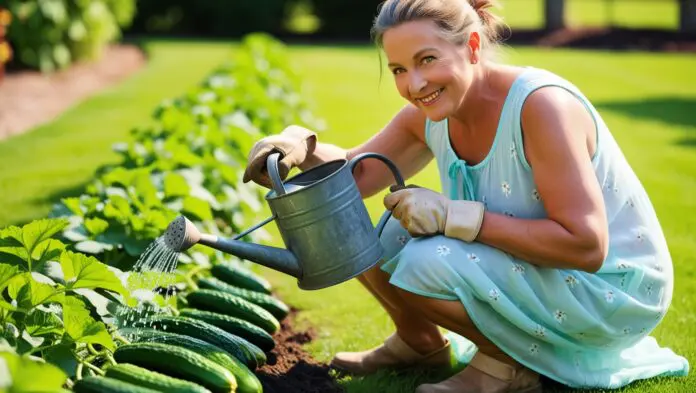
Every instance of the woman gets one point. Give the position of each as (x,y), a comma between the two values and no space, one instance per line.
(543,249)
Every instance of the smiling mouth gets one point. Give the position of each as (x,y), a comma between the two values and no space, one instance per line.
(431,98)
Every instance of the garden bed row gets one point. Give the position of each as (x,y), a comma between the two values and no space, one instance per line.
(74,310)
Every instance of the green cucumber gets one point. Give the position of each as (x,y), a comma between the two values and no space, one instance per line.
(236,326)
(107,385)
(131,373)
(240,277)
(248,353)
(178,362)
(235,306)
(247,382)
(269,303)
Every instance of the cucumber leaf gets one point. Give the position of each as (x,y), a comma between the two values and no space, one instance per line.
(175,185)
(81,327)
(19,374)
(42,323)
(32,293)
(197,208)
(82,271)
(37,231)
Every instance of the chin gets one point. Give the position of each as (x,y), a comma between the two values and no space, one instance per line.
(436,115)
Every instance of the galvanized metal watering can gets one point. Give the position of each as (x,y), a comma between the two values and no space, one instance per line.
(323,222)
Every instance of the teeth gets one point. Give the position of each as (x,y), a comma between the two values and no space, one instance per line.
(431,97)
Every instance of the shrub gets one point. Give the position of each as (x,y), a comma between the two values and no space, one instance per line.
(209,17)
(50,35)
(346,18)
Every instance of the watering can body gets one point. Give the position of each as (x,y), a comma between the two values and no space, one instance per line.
(323,222)
(326,225)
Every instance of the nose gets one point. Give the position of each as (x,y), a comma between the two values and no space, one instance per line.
(417,83)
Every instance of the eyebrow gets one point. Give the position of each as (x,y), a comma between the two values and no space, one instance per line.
(416,55)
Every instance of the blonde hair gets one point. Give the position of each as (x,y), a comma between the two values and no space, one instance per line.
(456,19)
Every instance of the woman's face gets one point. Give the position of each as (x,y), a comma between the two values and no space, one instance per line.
(430,72)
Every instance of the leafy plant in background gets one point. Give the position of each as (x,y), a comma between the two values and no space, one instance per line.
(5,49)
(51,34)
(65,281)
(190,162)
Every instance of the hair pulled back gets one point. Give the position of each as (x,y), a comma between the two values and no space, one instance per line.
(455,18)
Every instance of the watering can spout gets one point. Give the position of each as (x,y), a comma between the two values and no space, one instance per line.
(182,235)
(274,258)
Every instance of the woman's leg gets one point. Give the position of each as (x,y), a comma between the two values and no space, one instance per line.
(411,324)
(452,316)
(490,371)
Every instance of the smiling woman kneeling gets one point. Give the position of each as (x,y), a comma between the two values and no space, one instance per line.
(543,248)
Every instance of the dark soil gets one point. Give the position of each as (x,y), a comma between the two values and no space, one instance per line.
(292,370)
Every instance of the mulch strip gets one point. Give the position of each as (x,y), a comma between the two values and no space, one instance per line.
(29,98)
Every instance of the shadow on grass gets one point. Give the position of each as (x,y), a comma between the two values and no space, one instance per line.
(676,111)
(392,381)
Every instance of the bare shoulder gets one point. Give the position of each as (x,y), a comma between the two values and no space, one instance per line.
(553,114)
(551,102)
(411,120)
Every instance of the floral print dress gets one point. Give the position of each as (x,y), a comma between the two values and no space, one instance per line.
(580,329)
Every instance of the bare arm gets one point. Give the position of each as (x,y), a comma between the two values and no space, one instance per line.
(557,129)
(401,141)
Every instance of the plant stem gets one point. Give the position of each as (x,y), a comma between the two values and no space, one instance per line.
(110,358)
(95,368)
(78,371)
(39,349)
(91,349)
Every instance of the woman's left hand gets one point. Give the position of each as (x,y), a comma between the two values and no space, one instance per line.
(421,211)
(424,212)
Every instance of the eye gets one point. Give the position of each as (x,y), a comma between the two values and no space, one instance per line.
(397,70)
(428,59)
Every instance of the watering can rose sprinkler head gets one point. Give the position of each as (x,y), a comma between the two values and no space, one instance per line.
(181,234)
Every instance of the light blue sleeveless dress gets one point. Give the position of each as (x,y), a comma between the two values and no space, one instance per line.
(579,329)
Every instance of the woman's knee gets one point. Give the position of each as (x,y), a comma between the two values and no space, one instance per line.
(449,314)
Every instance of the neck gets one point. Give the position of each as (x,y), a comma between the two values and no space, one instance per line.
(478,96)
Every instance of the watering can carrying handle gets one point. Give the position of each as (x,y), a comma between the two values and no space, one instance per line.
(272,167)
(397,176)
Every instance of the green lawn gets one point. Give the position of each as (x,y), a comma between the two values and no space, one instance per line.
(57,159)
(647,99)
(651,113)
(626,13)
(529,14)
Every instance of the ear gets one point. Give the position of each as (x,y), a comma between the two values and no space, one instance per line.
(474,45)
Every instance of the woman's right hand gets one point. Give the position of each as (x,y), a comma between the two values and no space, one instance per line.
(294,143)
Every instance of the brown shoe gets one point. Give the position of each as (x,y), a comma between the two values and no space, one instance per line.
(393,353)
(487,375)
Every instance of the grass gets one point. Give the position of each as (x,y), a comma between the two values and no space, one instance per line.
(663,14)
(57,159)
(646,99)
(648,102)
(529,14)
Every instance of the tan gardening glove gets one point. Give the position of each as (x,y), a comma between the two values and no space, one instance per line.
(294,144)
(425,212)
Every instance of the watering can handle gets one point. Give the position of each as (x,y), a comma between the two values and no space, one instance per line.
(397,175)
(272,167)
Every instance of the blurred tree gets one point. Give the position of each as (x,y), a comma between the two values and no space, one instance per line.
(554,14)
(687,16)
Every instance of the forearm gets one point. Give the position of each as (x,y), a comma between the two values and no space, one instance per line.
(323,152)
(542,242)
